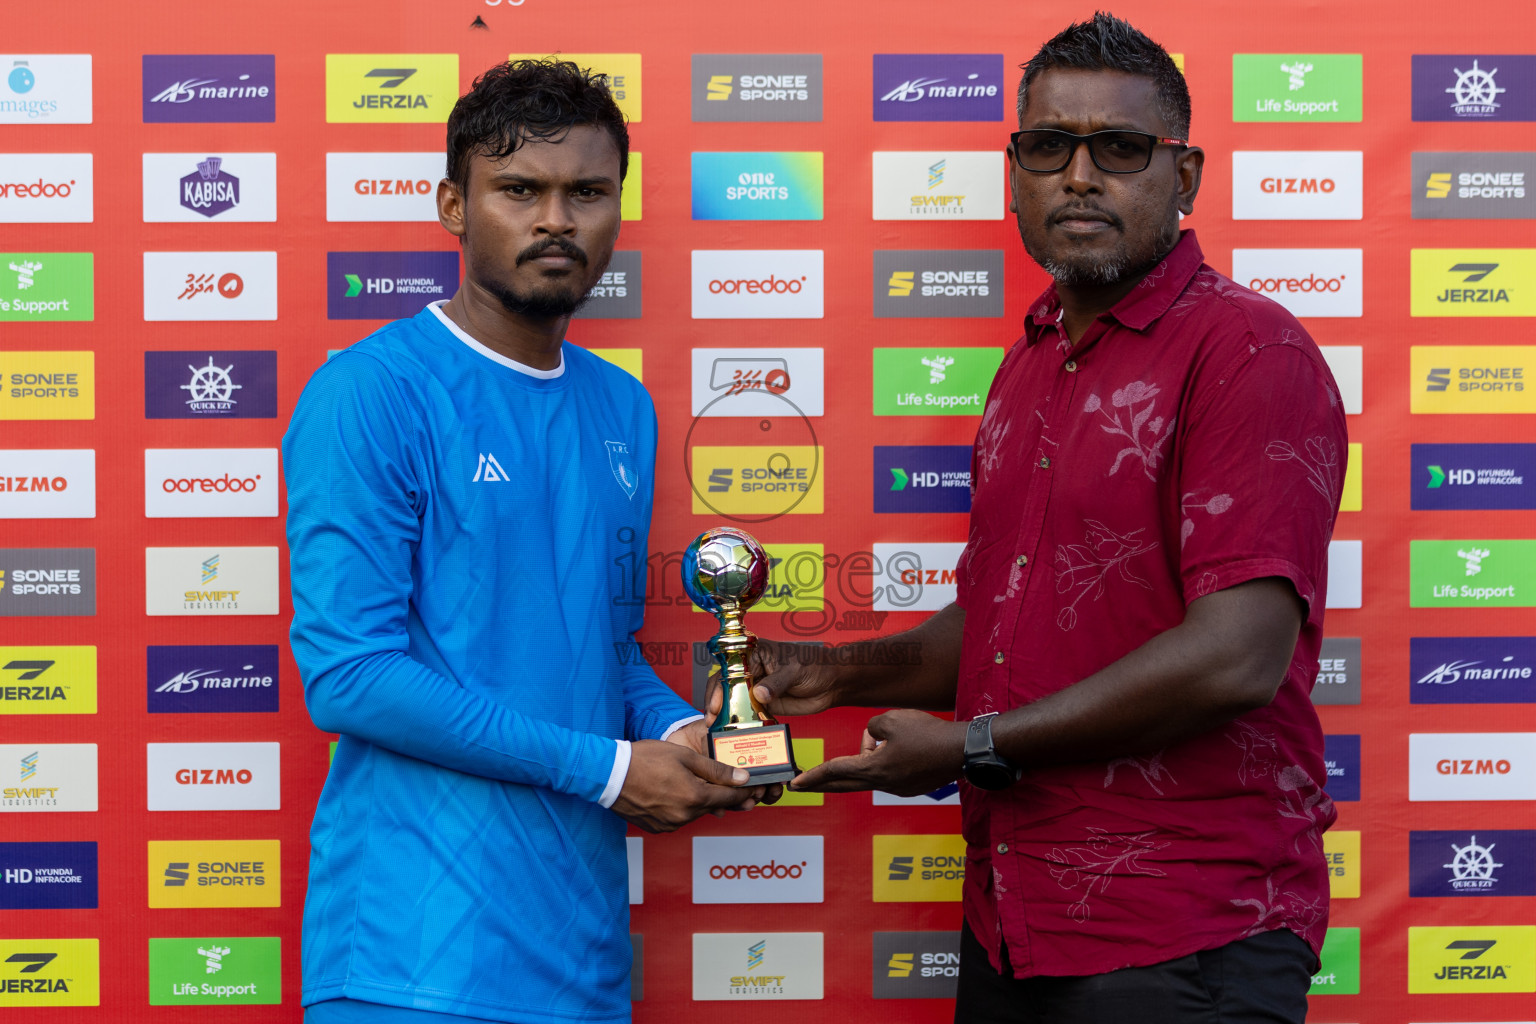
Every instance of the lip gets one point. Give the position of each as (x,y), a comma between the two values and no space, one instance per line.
(554,260)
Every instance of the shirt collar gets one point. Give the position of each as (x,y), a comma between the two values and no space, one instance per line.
(1150,299)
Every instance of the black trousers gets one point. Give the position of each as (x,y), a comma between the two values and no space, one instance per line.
(1258,980)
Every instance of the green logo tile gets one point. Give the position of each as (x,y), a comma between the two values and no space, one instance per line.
(1297,87)
(933,381)
(215,972)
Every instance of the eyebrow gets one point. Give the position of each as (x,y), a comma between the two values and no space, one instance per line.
(1061,127)
(512,178)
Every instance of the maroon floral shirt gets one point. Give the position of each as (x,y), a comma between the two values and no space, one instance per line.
(1191,440)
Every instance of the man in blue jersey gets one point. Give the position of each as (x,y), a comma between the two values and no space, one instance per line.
(469,499)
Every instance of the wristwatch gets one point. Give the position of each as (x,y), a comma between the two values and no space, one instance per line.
(985,768)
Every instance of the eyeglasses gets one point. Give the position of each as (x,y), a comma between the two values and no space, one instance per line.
(1046,150)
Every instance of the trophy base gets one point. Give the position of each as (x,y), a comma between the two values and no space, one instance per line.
(764,751)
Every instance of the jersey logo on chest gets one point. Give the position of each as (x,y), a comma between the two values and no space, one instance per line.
(622,462)
(489,471)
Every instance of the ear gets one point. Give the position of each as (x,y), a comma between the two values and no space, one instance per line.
(1013,192)
(1190,164)
(450,207)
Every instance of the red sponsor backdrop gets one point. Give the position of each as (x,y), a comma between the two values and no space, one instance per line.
(300,35)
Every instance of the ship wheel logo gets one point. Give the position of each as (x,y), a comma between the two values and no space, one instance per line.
(1472,864)
(1475,88)
(210,384)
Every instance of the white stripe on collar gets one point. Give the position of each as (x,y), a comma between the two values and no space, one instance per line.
(494,356)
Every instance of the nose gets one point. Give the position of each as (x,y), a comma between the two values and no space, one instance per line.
(1081,176)
(555,214)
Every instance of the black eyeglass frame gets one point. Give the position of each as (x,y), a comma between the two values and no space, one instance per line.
(1157,140)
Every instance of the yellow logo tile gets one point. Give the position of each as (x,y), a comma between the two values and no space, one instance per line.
(629,196)
(215,873)
(1350,500)
(1472,958)
(1341,851)
(621,70)
(918,869)
(1473,282)
(630,360)
(1473,378)
(390,87)
(47,385)
(758,479)
(50,972)
(47,680)
(808,754)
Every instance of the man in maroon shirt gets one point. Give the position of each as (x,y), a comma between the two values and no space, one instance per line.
(1140,603)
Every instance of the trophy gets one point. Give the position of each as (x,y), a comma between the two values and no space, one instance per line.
(725,571)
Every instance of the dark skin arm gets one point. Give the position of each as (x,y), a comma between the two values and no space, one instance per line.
(1229,656)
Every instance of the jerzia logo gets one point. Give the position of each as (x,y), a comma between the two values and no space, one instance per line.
(1491,958)
(374,87)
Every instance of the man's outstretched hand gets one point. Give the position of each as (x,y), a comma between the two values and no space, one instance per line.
(670,784)
(905,753)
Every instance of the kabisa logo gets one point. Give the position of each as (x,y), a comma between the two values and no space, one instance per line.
(48,876)
(916,965)
(1486,958)
(1474,476)
(757,186)
(1465,186)
(762,869)
(47,188)
(193,188)
(1474,87)
(953,185)
(1296,87)
(1441,573)
(756,86)
(211,191)
(938,283)
(50,972)
(387,285)
(390,87)
(1472,670)
(214,873)
(219,384)
(1488,862)
(1298,185)
(918,869)
(1307,282)
(247,970)
(184,679)
(922,478)
(213,776)
(382,186)
(938,87)
(1471,766)
(48,581)
(47,680)
(200,89)
(46,89)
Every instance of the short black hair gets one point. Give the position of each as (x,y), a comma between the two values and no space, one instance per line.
(1109,44)
(525,100)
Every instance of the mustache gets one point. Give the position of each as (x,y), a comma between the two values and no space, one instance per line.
(562,245)
(1080,211)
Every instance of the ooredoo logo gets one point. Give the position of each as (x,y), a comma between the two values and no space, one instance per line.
(213,776)
(1297,185)
(395,187)
(1308,282)
(754,284)
(757,869)
(202,483)
(46,188)
(1472,766)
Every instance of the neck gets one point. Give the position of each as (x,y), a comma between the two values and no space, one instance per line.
(1082,304)
(532,341)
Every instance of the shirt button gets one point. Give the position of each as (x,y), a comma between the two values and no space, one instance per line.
(1045,462)
(1071,366)
(998,657)
(1021,560)
(1002,847)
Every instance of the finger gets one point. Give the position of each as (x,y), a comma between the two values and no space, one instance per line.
(868,744)
(714,693)
(728,797)
(839,775)
(773,794)
(880,726)
(716,772)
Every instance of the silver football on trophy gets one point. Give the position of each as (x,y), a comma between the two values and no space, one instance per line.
(725,569)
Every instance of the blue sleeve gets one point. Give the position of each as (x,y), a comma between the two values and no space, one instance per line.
(356,481)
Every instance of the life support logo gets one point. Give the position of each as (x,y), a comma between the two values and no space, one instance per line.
(758,869)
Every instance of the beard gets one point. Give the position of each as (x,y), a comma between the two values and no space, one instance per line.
(1124,260)
(557,298)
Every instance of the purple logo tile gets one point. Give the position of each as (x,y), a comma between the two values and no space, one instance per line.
(193,679)
(208,88)
(1472,862)
(210,385)
(48,876)
(1342,756)
(1474,87)
(939,87)
(387,285)
(1472,669)
(923,478)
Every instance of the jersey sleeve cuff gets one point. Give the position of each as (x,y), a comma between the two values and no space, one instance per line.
(679,724)
(617,776)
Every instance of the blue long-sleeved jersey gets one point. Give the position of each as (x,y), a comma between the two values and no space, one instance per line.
(468,540)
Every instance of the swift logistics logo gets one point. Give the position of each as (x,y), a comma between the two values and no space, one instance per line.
(1341,759)
(1298,185)
(933,381)
(1474,87)
(47,581)
(1338,672)
(1472,282)
(918,868)
(1464,766)
(757,965)
(416,88)
(1307,282)
(758,284)
(213,776)
(757,186)
(1297,87)
(210,88)
(1484,862)
(210,385)
(207,483)
(387,285)
(187,873)
(47,777)
(922,478)
(938,282)
(1472,958)
(48,876)
(52,88)
(1340,971)
(48,680)
(618,294)
(395,187)
(194,188)
(758,869)
(212,678)
(47,188)
(938,185)
(241,971)
(1472,573)
(1472,669)
(50,483)
(1473,476)
(939,87)
(758,382)
(210,581)
(760,87)
(50,972)
(1472,378)
(47,286)
(210,286)
(1474,186)
(915,965)
(757,479)
(47,385)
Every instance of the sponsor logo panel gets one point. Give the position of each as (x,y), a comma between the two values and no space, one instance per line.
(1476,862)
(1472,282)
(1472,669)
(416,88)
(634,853)
(915,965)
(1473,186)
(1472,958)
(210,581)
(187,873)
(48,876)
(630,360)
(1474,87)
(756,87)
(1297,86)
(939,87)
(758,382)
(48,680)
(212,678)
(1339,974)
(631,193)
(47,777)
(209,88)
(210,385)
(50,483)
(1472,573)
(195,188)
(1347,364)
(938,282)
(933,381)
(757,186)
(636,967)
(400,187)
(52,88)
(1352,496)
(1474,476)
(48,286)
(46,188)
(216,972)
(808,754)
(213,776)
(1472,766)
(922,478)
(947,795)
(757,965)
(1338,671)
(210,286)
(918,869)
(1472,378)
(1298,185)
(1308,282)
(47,581)
(199,483)
(1341,852)
(617,294)
(1346,580)
(939,185)
(914,577)
(758,479)
(387,285)
(757,869)
(620,71)
(1341,758)
(758,284)
(50,972)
